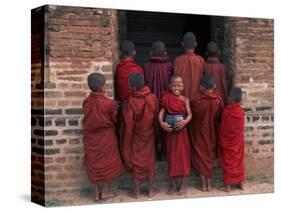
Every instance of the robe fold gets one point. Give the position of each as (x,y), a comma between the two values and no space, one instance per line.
(218,70)
(123,70)
(157,72)
(139,118)
(102,158)
(206,113)
(231,143)
(190,67)
(178,147)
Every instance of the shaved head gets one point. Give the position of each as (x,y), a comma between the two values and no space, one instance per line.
(96,81)
(189,41)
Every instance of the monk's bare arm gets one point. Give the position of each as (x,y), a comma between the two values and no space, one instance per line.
(163,124)
(188,110)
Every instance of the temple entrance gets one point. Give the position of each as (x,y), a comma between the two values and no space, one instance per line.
(145,27)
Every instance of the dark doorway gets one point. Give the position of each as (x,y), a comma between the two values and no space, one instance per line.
(145,27)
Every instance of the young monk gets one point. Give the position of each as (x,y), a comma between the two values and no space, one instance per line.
(217,70)
(206,113)
(125,68)
(157,73)
(139,118)
(231,141)
(189,66)
(158,70)
(174,115)
(102,158)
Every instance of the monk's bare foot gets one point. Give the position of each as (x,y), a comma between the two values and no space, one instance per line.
(209,188)
(133,195)
(152,193)
(226,188)
(171,191)
(181,192)
(97,197)
(241,186)
(203,188)
(106,196)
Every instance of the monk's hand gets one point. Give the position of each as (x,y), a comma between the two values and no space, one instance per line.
(180,125)
(166,126)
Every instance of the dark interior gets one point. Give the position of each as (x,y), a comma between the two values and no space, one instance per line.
(145,27)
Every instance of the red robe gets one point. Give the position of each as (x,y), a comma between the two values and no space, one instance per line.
(178,147)
(206,113)
(139,118)
(157,72)
(218,71)
(102,159)
(231,140)
(123,70)
(190,67)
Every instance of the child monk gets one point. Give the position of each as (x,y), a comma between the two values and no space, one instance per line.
(125,68)
(174,115)
(139,118)
(157,73)
(159,69)
(217,70)
(189,66)
(231,141)
(102,158)
(206,113)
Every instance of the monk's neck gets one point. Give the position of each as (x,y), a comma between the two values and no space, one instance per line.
(127,58)
(189,51)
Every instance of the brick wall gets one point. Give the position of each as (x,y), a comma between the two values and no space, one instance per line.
(77,41)
(68,43)
(252,65)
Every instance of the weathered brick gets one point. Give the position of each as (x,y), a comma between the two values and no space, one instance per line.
(60,122)
(75,94)
(74,111)
(61,141)
(53,111)
(52,151)
(51,132)
(73,122)
(72,132)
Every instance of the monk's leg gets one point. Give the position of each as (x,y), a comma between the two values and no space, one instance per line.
(209,184)
(135,194)
(182,189)
(203,183)
(173,186)
(97,192)
(241,186)
(151,190)
(106,194)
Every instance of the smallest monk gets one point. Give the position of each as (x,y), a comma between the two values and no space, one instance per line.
(174,116)
(102,159)
(138,128)
(231,141)
(217,70)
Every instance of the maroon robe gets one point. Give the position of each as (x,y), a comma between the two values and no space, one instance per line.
(190,67)
(231,154)
(178,147)
(123,70)
(218,70)
(157,72)
(102,159)
(206,112)
(139,118)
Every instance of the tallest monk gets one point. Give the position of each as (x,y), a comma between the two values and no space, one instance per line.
(189,66)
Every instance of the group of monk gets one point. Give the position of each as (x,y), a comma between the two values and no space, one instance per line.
(183,107)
